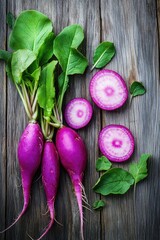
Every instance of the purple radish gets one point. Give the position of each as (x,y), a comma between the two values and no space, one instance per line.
(29,155)
(116,142)
(50,178)
(78,113)
(108,90)
(73,156)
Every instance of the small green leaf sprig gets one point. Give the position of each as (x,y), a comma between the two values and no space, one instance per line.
(118,180)
(103,54)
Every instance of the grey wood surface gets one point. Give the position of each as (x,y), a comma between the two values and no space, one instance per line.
(133,26)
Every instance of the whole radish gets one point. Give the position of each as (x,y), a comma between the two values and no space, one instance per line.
(50,178)
(29,155)
(73,156)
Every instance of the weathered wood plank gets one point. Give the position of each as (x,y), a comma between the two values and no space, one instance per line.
(132,26)
(2,122)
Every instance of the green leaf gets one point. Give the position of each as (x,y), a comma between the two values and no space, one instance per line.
(139,170)
(9,70)
(70,59)
(10,20)
(70,37)
(33,66)
(46,90)
(103,164)
(114,181)
(77,63)
(103,54)
(136,89)
(62,82)
(46,50)
(5,55)
(36,74)
(30,31)
(21,60)
(98,205)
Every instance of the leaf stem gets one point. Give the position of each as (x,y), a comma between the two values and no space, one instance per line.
(42,123)
(33,94)
(60,99)
(34,104)
(56,125)
(26,97)
(24,102)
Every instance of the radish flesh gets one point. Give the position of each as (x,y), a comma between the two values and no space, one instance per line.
(29,155)
(108,90)
(73,156)
(50,178)
(116,142)
(78,113)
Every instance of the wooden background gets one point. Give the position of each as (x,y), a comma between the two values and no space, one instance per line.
(133,26)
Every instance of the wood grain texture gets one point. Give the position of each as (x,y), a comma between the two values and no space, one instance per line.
(132,26)
(3,89)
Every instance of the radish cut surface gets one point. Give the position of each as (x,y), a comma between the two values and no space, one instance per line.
(108,90)
(78,113)
(116,142)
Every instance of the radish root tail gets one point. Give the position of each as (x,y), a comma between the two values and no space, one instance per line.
(17,219)
(78,188)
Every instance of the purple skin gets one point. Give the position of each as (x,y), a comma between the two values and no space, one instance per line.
(79,118)
(29,155)
(111,97)
(73,156)
(120,143)
(50,178)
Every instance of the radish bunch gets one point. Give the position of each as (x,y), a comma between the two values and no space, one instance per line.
(32,66)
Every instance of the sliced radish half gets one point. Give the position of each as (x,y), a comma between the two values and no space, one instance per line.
(78,113)
(116,142)
(108,90)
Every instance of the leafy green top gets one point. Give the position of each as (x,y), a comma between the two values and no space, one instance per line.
(103,54)
(30,31)
(139,170)
(136,89)
(103,164)
(70,59)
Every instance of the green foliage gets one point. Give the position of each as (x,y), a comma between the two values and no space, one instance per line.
(46,50)
(114,181)
(21,60)
(46,90)
(70,59)
(103,164)
(103,54)
(98,205)
(10,20)
(137,89)
(30,31)
(139,170)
